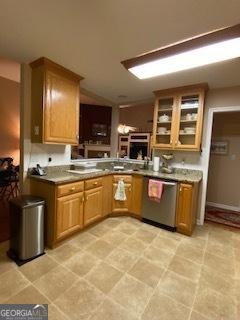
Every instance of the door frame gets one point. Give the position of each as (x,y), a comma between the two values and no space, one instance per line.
(210,116)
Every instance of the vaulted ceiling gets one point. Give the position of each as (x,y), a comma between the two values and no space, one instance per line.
(91,37)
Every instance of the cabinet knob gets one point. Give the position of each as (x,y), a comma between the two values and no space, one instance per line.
(95,183)
(72,189)
(77,136)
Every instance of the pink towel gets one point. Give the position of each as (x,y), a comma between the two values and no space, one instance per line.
(155,189)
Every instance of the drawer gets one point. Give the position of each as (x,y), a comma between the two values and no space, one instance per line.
(93,183)
(125,178)
(70,188)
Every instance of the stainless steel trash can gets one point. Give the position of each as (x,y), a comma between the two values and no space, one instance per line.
(27,227)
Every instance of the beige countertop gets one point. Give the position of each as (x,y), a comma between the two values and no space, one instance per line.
(62,176)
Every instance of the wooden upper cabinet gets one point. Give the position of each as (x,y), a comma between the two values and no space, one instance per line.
(178,118)
(55,103)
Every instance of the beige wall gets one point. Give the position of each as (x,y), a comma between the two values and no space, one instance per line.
(216,98)
(138,116)
(9,119)
(9,69)
(224,170)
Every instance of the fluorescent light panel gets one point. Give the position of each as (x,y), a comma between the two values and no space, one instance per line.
(221,51)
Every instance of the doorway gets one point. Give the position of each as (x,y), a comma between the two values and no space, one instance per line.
(223,195)
(9,139)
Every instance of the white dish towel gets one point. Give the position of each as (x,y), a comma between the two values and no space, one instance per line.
(120,194)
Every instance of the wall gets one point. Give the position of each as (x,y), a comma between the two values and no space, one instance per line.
(9,119)
(139,116)
(9,69)
(216,98)
(224,172)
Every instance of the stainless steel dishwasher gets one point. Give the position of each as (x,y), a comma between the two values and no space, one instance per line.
(161,213)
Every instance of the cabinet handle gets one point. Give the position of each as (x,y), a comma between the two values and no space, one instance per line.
(180,190)
(130,189)
(171,141)
(83,199)
(95,183)
(72,189)
(77,136)
(86,198)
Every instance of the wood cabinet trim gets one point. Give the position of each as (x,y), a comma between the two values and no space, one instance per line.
(69,188)
(93,183)
(92,211)
(186,210)
(70,226)
(49,125)
(125,178)
(174,138)
(49,64)
(167,93)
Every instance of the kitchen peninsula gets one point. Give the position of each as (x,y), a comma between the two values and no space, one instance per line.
(76,200)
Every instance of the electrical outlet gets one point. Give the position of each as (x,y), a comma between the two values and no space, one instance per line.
(36,130)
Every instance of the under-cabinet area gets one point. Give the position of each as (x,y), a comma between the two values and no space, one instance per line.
(71,207)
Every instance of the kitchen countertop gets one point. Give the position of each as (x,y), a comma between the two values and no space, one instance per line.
(61,176)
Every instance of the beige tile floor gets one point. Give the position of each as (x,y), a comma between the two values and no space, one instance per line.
(122,269)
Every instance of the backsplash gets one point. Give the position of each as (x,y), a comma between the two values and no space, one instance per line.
(184,159)
(40,153)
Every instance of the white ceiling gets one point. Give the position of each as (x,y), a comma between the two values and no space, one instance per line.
(92,37)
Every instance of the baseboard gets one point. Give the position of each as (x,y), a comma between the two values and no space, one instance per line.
(199,222)
(223,206)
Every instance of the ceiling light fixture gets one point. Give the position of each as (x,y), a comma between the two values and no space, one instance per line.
(216,46)
(123,129)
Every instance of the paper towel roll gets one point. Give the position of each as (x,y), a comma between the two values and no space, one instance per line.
(156,162)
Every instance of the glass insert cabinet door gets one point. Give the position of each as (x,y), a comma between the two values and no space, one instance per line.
(178,118)
(163,121)
(190,114)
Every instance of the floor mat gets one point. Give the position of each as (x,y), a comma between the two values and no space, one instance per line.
(226,217)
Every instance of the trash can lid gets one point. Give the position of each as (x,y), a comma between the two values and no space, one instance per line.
(27,201)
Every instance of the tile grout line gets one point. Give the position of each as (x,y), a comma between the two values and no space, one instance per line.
(198,283)
(155,289)
(25,286)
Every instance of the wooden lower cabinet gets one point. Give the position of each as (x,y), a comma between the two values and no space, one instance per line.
(107,195)
(137,189)
(122,206)
(72,206)
(69,214)
(186,208)
(93,205)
